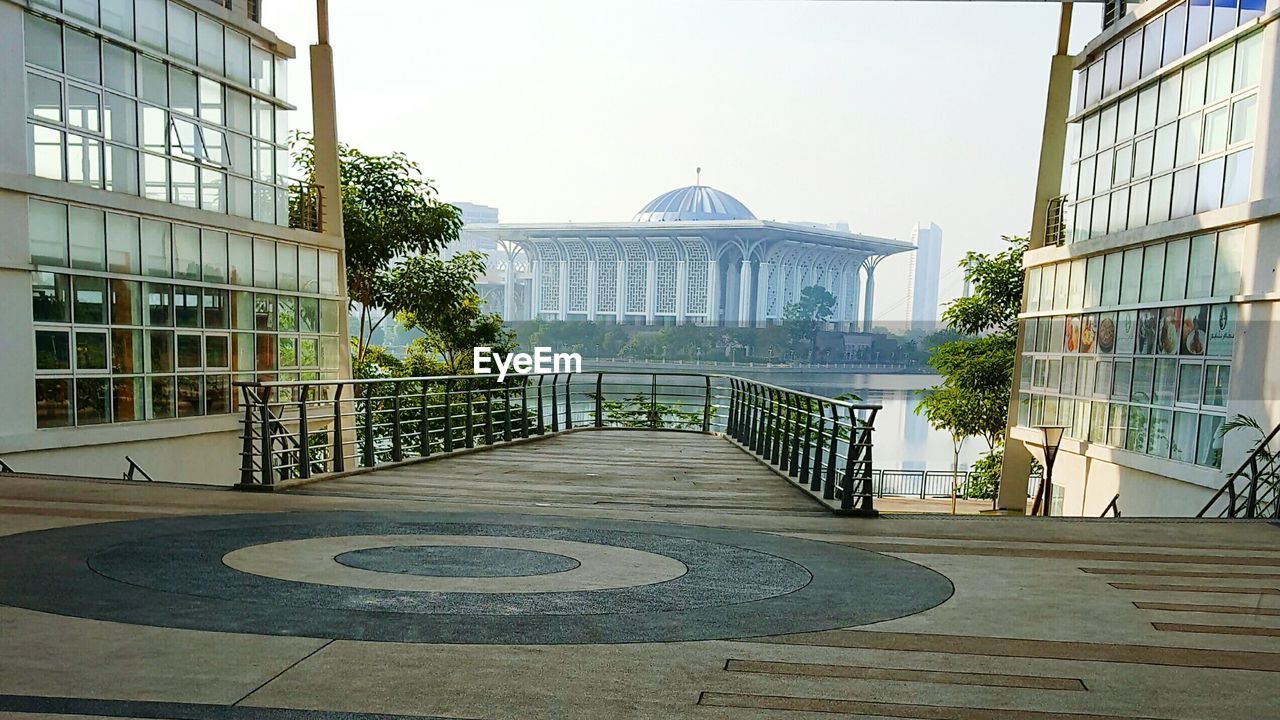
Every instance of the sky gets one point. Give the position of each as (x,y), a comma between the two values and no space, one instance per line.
(878,114)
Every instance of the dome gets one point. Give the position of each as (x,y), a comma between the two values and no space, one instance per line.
(695,202)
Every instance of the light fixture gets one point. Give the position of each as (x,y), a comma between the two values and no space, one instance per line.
(1052,439)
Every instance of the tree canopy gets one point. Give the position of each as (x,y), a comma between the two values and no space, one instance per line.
(802,317)
(389,210)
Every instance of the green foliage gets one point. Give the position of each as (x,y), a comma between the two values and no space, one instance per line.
(984,476)
(641,411)
(996,299)
(389,210)
(438,297)
(803,316)
(977,368)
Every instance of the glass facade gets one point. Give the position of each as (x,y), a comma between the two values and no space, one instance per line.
(150,98)
(1155,144)
(1133,348)
(138,318)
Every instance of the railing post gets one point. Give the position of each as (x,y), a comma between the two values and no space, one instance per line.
(541,426)
(246,441)
(1251,509)
(793,462)
(599,399)
(488,413)
(568,402)
(731,421)
(470,435)
(815,470)
(868,494)
(397,450)
(304,441)
(760,421)
(368,457)
(808,430)
(424,425)
(706,404)
(555,405)
(524,406)
(506,411)
(265,461)
(339,451)
(846,485)
(448,415)
(653,401)
(829,484)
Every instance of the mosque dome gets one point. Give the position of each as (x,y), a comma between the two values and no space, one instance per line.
(694,203)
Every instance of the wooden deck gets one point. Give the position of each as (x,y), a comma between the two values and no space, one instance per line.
(625,469)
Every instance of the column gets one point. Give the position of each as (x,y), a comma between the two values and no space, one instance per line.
(744,294)
(650,291)
(682,286)
(868,314)
(593,290)
(535,287)
(713,292)
(763,277)
(562,280)
(853,278)
(509,287)
(620,286)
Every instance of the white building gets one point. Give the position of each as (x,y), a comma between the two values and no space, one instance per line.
(1151,286)
(694,254)
(151,254)
(922,276)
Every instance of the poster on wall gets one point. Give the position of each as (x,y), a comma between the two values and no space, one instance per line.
(1222,330)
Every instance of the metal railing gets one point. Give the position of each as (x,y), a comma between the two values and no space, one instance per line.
(1055,226)
(305,207)
(305,429)
(1253,490)
(824,444)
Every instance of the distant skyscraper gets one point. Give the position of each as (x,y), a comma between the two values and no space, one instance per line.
(922,278)
(473,214)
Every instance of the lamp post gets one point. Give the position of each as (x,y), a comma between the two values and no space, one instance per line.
(1052,439)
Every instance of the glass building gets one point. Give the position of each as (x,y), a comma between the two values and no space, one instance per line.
(1151,284)
(155,249)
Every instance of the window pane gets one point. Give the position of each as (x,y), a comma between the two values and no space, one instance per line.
(264,263)
(1184,193)
(1159,434)
(186,252)
(1200,277)
(209,35)
(288,314)
(328,273)
(1237,177)
(182,33)
(215,308)
(153,81)
(43,42)
(242,311)
(120,122)
(1226,279)
(330,313)
(155,177)
(216,351)
(217,394)
(44,98)
(1216,384)
(182,91)
(1189,375)
(151,23)
(308,353)
(1215,131)
(159,305)
(308,315)
(126,352)
(50,297)
(288,352)
(118,72)
(88,238)
(82,56)
(1111,279)
(159,351)
(1144,370)
(261,66)
(186,305)
(238,115)
(1195,326)
(1175,32)
(83,109)
(265,358)
(1218,80)
(237,56)
(1209,185)
(53,350)
(211,100)
(84,161)
(1210,443)
(1222,331)
(1170,339)
(189,351)
(1148,331)
(121,166)
(126,302)
(1248,61)
(117,16)
(264,312)
(1132,276)
(1136,437)
(91,350)
(47,228)
(242,351)
(53,403)
(240,262)
(160,395)
(1184,437)
(1188,148)
(1243,114)
(90,300)
(128,399)
(287,266)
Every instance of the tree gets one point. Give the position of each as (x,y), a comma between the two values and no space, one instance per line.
(801,317)
(948,408)
(977,369)
(439,298)
(389,210)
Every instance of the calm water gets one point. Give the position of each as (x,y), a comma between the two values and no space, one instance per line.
(903,440)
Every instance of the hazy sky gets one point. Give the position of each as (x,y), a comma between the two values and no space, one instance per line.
(879,114)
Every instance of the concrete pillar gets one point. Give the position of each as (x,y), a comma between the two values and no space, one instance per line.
(1016,466)
(324,120)
(562,279)
(745,293)
(620,288)
(854,279)
(509,288)
(682,285)
(868,314)
(535,288)
(763,278)
(650,291)
(713,292)
(592,289)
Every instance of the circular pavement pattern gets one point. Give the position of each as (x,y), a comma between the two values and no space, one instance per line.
(466,561)
(457,578)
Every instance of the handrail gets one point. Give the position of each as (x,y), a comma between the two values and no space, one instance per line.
(308,428)
(1260,496)
(1112,508)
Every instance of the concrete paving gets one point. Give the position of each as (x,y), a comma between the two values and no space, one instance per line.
(118,603)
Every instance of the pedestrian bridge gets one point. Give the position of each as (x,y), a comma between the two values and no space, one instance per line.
(300,432)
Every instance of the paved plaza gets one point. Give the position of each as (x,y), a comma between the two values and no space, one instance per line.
(614,574)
